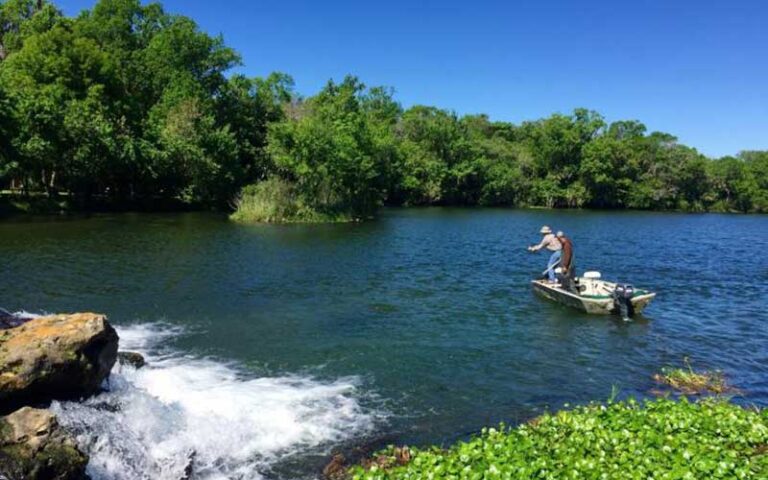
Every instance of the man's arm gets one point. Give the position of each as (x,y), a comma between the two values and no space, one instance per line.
(544,242)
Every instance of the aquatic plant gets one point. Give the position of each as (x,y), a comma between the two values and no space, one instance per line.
(690,382)
(660,439)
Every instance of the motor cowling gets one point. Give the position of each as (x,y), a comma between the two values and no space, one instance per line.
(622,299)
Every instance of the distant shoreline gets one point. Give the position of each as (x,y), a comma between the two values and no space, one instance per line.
(39,205)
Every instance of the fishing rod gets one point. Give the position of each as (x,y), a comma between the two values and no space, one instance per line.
(550,268)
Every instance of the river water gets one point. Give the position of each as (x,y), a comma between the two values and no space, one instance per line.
(271,345)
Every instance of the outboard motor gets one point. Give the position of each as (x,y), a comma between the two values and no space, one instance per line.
(622,300)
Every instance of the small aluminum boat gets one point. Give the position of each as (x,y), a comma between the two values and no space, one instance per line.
(590,294)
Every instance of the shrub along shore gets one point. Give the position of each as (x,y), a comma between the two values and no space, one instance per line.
(126,105)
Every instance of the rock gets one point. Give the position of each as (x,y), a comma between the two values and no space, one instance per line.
(12,320)
(190,468)
(134,359)
(34,447)
(336,468)
(55,357)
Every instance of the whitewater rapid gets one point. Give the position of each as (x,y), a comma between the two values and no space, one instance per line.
(182,415)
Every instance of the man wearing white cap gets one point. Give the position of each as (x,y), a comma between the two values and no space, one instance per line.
(552,244)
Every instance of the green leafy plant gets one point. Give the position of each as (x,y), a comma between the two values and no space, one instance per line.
(660,439)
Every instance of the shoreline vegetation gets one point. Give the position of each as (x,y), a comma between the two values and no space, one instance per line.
(126,106)
(660,438)
(248,208)
(665,437)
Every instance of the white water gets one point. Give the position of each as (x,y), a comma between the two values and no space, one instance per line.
(179,411)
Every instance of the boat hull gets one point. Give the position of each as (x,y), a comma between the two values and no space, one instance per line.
(598,306)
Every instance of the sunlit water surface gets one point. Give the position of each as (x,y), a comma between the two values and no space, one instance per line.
(271,345)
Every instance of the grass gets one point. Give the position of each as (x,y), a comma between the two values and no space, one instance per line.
(275,201)
(689,382)
(659,439)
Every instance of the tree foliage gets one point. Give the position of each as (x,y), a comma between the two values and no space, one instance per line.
(335,147)
(127,102)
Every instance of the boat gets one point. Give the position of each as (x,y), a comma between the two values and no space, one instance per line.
(590,294)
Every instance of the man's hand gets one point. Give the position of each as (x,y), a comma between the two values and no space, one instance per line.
(531,249)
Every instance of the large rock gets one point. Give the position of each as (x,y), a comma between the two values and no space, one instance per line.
(55,357)
(34,447)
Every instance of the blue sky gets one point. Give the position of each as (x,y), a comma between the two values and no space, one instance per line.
(696,69)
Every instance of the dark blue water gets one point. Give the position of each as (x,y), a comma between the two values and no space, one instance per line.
(430,310)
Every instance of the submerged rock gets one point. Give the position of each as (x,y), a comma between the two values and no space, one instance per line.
(133,359)
(55,357)
(336,469)
(34,447)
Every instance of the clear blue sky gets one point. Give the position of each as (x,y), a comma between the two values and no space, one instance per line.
(696,69)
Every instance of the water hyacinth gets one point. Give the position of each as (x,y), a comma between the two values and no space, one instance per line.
(659,439)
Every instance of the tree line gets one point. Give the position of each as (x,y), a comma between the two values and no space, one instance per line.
(127,101)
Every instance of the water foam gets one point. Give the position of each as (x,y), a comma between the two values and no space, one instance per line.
(182,415)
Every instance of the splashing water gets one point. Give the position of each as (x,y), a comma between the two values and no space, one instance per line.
(184,417)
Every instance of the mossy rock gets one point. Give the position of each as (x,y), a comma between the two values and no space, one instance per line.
(34,447)
(55,357)
(132,359)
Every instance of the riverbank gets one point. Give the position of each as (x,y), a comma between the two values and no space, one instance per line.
(42,205)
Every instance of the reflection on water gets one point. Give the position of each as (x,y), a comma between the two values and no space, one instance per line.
(429,309)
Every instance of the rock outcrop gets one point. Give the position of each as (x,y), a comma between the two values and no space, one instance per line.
(55,357)
(34,447)
(132,359)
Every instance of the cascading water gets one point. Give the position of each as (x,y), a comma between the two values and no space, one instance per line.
(184,417)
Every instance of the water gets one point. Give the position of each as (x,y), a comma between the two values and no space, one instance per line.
(271,345)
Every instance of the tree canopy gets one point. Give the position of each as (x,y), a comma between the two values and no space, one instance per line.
(127,101)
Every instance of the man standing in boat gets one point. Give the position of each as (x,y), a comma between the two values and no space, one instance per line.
(566,258)
(551,243)
(567,267)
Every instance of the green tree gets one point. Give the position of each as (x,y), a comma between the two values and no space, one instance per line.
(755,186)
(327,148)
(557,144)
(432,147)
(611,164)
(20,19)
(248,106)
